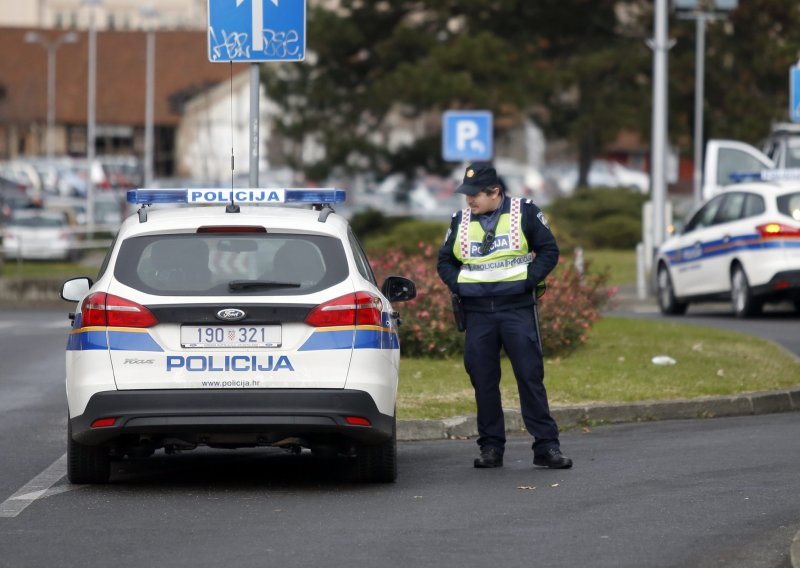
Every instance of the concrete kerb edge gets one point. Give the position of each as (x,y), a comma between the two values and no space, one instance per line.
(569,417)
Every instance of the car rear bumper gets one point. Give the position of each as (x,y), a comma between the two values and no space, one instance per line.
(240,417)
(784,284)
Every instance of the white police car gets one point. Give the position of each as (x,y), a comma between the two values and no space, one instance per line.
(229,326)
(743,244)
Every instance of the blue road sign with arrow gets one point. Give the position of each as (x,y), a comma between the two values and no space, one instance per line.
(251,31)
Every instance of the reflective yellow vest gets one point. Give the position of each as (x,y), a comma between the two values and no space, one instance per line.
(507,260)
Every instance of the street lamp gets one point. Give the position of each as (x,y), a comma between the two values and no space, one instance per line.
(90,111)
(149,13)
(701,11)
(51,47)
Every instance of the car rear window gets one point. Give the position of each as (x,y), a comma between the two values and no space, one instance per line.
(789,204)
(220,264)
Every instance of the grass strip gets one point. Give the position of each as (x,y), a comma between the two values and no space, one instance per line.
(615,366)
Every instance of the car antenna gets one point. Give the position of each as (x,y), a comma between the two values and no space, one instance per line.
(232,207)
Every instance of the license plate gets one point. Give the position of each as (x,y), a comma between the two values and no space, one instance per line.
(230,336)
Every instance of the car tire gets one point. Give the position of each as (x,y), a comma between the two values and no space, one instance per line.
(86,464)
(667,302)
(742,300)
(378,463)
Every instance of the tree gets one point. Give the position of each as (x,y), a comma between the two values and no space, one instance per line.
(579,68)
(746,70)
(558,61)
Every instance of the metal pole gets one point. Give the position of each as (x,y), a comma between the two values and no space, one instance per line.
(148,109)
(255,85)
(90,120)
(51,99)
(659,135)
(699,81)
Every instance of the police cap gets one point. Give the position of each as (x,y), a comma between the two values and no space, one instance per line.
(478,177)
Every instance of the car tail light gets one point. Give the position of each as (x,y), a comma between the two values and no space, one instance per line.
(357,421)
(101,309)
(231,229)
(361,308)
(777,230)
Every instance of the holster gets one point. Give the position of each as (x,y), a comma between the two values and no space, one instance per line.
(458,312)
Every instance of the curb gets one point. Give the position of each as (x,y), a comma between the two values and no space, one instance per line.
(569,417)
(794,555)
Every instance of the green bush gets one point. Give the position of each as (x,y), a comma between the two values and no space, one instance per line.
(372,222)
(598,218)
(614,232)
(407,235)
(569,307)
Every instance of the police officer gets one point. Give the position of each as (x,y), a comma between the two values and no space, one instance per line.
(496,252)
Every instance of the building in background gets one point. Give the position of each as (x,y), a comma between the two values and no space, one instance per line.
(182,71)
(109,14)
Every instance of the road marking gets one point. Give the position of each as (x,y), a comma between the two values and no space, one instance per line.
(40,487)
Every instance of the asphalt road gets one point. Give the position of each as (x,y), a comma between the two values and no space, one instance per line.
(722,492)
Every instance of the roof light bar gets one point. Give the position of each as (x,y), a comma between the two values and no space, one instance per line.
(244,195)
(787,174)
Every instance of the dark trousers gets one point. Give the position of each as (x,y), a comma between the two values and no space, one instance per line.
(515,331)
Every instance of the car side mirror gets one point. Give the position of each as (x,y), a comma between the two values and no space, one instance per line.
(399,289)
(75,288)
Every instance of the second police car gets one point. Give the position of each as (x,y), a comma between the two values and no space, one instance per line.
(742,245)
(232,326)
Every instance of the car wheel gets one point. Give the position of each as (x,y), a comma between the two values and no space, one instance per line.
(742,300)
(667,302)
(86,464)
(378,464)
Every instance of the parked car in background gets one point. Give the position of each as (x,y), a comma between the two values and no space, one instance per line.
(602,173)
(726,160)
(11,200)
(122,172)
(742,245)
(39,235)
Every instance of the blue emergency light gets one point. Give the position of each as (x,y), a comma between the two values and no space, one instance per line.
(243,195)
(786,174)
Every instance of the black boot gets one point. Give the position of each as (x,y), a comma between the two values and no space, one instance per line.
(552,458)
(490,457)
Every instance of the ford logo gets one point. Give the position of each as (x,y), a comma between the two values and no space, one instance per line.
(231,314)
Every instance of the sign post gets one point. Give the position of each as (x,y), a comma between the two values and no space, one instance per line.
(256,31)
(467,136)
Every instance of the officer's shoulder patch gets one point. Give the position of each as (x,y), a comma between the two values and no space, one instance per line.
(529,202)
(543,219)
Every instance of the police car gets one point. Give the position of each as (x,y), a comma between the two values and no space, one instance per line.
(229,326)
(742,245)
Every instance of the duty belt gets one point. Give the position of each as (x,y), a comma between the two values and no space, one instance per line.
(499,264)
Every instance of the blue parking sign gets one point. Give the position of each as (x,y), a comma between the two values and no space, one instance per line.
(794,93)
(252,31)
(467,136)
